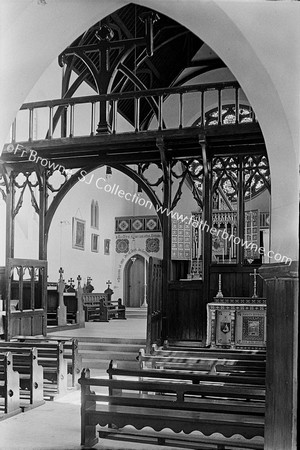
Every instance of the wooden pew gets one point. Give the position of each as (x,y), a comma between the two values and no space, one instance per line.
(64,303)
(257,355)
(91,305)
(98,307)
(215,385)
(30,375)
(206,369)
(210,362)
(9,387)
(163,404)
(50,356)
(70,353)
(112,309)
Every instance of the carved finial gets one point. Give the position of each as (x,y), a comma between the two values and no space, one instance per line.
(61,271)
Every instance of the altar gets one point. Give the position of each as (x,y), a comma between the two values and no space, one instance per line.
(236,323)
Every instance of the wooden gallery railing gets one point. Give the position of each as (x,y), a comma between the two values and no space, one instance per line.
(207,96)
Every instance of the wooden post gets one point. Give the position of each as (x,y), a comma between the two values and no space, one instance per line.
(166,229)
(42,217)
(80,312)
(282,355)
(10,222)
(206,253)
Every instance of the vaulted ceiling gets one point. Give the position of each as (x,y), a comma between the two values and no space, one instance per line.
(178,56)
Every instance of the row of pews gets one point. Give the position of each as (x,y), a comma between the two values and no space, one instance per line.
(183,390)
(67,305)
(33,370)
(99,307)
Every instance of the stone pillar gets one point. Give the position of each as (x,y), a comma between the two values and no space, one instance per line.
(282,355)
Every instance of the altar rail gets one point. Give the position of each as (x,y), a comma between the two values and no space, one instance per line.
(58,108)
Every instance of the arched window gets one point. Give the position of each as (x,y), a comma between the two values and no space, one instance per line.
(94,214)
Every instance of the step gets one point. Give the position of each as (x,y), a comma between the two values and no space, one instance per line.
(107,356)
(109,340)
(103,365)
(108,347)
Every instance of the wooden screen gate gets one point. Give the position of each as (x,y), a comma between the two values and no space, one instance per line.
(155,301)
(25,305)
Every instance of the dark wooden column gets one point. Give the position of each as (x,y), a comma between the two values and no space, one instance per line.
(282,355)
(42,217)
(10,222)
(206,218)
(166,229)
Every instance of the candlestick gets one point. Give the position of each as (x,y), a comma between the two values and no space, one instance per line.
(220,294)
(255,275)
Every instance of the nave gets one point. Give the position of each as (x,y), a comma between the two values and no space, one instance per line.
(56,424)
(205,141)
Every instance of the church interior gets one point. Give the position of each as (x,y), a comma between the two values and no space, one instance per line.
(149,224)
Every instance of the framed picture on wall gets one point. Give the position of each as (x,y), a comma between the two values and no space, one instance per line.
(95,242)
(78,233)
(106,246)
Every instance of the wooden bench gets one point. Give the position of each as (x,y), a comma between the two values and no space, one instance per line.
(9,387)
(198,373)
(25,362)
(214,385)
(209,362)
(98,307)
(163,404)
(64,304)
(50,356)
(91,305)
(183,346)
(112,309)
(70,353)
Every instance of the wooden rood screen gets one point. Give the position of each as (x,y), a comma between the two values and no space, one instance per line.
(26,289)
(154,317)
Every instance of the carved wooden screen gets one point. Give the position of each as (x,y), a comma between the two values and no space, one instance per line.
(154,317)
(26,288)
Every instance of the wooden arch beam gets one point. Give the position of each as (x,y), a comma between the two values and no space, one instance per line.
(75,179)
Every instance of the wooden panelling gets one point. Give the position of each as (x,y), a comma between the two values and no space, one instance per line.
(236,281)
(27,323)
(282,356)
(186,311)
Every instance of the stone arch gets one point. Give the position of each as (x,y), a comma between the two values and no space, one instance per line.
(236,31)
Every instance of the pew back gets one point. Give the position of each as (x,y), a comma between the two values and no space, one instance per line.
(30,375)
(9,387)
(50,356)
(70,353)
(161,403)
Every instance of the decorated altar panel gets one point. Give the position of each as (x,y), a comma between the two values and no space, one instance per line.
(236,322)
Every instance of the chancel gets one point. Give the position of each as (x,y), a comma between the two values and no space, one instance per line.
(163,136)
